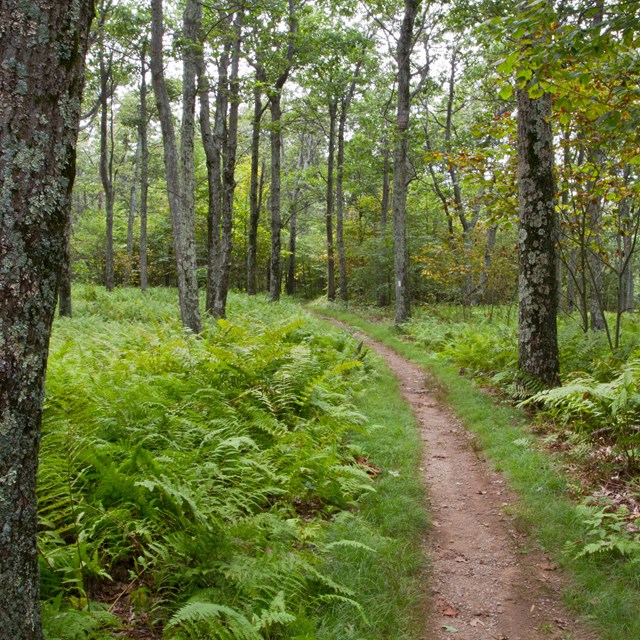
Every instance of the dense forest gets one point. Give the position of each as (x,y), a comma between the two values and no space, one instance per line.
(178,178)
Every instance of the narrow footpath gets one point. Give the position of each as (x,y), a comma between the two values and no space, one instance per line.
(485,580)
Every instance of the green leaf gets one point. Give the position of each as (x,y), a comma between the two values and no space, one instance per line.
(506,91)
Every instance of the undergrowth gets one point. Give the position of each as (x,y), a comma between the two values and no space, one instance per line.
(199,487)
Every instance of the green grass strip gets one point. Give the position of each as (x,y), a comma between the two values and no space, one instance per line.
(603,590)
(389,583)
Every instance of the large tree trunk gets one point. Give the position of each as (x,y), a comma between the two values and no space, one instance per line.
(399,198)
(179,191)
(381,272)
(41,75)
(254,210)
(228,178)
(537,234)
(144,168)
(106,163)
(331,266)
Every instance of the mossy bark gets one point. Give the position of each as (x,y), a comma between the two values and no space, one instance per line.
(42,47)
(537,235)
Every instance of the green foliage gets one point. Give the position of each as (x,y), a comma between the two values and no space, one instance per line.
(607,531)
(603,408)
(196,472)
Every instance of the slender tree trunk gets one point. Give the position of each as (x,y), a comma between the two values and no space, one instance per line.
(213,143)
(254,210)
(180,203)
(331,271)
(537,338)
(64,294)
(133,209)
(106,165)
(228,178)
(144,168)
(342,260)
(399,199)
(42,52)
(383,293)
(275,270)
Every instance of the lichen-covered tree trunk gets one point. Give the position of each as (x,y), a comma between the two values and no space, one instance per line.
(537,235)
(42,51)
(399,198)
(181,211)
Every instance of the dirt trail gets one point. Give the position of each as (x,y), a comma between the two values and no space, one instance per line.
(484,584)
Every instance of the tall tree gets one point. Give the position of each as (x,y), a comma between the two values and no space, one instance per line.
(275,109)
(399,197)
(537,235)
(144,166)
(180,181)
(42,53)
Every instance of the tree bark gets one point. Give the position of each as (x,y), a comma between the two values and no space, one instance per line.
(41,76)
(106,163)
(275,269)
(144,168)
(331,266)
(254,210)
(228,177)
(65,309)
(133,209)
(537,235)
(275,108)
(399,198)
(180,202)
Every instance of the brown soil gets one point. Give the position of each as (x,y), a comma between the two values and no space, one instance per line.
(485,581)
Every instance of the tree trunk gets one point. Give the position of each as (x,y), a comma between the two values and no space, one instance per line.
(144,168)
(383,293)
(254,210)
(64,293)
(399,199)
(180,203)
(106,164)
(275,269)
(331,271)
(342,260)
(41,76)
(228,178)
(133,208)
(213,142)
(537,338)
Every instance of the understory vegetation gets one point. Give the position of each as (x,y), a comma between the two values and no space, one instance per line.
(231,485)
(572,453)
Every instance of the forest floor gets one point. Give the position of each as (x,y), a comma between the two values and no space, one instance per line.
(487,580)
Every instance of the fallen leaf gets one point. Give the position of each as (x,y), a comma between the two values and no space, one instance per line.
(548,566)
(475,622)
(450,612)
(449,628)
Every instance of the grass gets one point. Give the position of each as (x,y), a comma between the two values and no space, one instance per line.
(605,591)
(392,520)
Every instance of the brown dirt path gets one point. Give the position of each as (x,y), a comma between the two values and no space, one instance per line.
(485,584)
